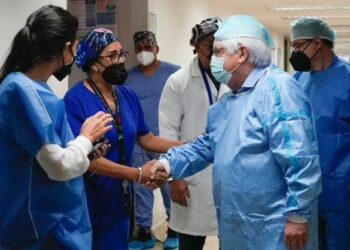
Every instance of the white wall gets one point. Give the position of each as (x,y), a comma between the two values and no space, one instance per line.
(14,14)
(174,22)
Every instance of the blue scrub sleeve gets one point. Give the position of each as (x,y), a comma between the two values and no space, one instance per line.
(142,128)
(75,114)
(190,158)
(288,122)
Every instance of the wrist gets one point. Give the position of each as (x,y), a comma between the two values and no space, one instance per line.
(296,219)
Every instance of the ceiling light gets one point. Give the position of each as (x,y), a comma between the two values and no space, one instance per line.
(308,7)
(319,17)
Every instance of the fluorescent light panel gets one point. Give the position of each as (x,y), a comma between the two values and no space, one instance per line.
(320,17)
(308,7)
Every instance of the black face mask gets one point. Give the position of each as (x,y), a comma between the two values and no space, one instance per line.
(61,73)
(64,71)
(115,74)
(300,61)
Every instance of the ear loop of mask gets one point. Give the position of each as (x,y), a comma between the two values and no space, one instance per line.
(239,64)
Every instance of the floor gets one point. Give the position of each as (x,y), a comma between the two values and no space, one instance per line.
(211,242)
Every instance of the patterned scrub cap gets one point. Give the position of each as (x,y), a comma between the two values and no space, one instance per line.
(144,37)
(91,46)
(206,28)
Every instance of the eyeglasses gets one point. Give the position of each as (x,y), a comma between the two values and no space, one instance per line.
(297,46)
(117,57)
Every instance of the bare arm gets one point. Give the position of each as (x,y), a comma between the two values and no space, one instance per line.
(156,144)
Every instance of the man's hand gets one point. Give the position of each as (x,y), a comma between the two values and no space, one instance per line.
(155,173)
(296,235)
(179,192)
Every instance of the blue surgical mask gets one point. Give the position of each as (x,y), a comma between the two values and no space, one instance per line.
(218,71)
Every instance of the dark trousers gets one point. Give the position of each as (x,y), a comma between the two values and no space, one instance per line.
(191,242)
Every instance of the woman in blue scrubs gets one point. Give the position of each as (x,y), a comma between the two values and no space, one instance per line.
(43,203)
(110,200)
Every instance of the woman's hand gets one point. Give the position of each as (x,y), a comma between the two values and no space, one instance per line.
(99,152)
(158,178)
(96,126)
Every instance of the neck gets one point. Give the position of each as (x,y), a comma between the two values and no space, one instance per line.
(240,75)
(150,69)
(204,61)
(323,60)
(41,72)
(105,88)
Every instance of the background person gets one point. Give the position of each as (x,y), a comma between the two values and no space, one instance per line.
(147,80)
(183,111)
(325,79)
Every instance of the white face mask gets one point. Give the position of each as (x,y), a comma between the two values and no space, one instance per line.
(145,58)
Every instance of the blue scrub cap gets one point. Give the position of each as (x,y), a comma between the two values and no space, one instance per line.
(91,46)
(244,26)
(309,28)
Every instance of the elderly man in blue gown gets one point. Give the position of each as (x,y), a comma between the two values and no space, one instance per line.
(261,141)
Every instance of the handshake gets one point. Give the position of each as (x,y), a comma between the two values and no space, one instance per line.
(152,174)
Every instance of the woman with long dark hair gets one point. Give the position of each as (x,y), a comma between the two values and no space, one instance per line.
(43,203)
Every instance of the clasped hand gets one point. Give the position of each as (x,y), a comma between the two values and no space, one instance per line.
(154,174)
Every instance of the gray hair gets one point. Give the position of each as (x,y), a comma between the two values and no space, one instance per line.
(259,52)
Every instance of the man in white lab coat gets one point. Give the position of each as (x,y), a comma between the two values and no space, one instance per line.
(183,110)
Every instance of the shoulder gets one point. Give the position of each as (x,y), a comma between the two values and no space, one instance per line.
(75,91)
(342,64)
(127,92)
(169,66)
(134,70)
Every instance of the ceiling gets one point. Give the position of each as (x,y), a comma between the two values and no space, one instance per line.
(279,14)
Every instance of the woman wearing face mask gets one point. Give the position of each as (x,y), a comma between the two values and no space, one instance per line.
(102,57)
(41,191)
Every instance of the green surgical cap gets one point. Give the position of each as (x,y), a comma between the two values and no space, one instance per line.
(309,28)
(243,26)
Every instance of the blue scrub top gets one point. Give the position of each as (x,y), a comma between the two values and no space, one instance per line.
(33,207)
(329,94)
(149,90)
(105,194)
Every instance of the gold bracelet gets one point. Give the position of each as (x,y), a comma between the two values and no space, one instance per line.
(139,175)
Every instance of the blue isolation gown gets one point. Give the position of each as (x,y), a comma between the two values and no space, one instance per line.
(265,161)
(329,94)
(105,195)
(35,211)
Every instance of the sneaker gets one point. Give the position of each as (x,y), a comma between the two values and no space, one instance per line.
(140,245)
(171,243)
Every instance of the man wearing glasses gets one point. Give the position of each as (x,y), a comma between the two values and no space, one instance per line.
(147,79)
(325,78)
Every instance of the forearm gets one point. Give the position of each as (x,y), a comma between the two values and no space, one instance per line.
(105,167)
(62,164)
(157,144)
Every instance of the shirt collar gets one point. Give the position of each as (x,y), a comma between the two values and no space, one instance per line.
(252,79)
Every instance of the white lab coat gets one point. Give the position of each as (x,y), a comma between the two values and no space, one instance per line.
(183,110)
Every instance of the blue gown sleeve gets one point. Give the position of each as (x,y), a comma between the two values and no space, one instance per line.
(287,119)
(36,118)
(190,158)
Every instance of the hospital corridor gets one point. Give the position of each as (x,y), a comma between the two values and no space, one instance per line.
(174,125)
